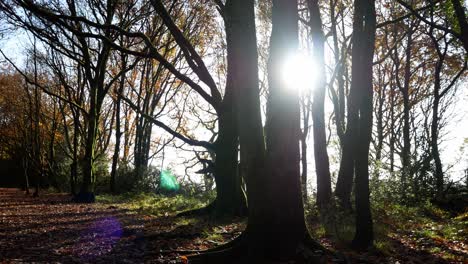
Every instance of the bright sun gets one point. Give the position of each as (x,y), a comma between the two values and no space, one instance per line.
(299,72)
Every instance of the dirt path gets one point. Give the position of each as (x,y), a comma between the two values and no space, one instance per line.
(52,229)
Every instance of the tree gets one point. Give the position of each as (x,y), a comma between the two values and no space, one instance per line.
(322,164)
(229,200)
(361,102)
(458,29)
(271,169)
(441,46)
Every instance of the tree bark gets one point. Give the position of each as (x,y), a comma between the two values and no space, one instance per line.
(340,62)
(406,151)
(322,164)
(438,174)
(229,196)
(460,13)
(274,231)
(86,193)
(285,223)
(363,52)
(118,135)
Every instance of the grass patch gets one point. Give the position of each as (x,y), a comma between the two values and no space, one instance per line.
(155,204)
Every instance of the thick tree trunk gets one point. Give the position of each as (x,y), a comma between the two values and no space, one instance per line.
(285,223)
(274,230)
(86,194)
(229,197)
(363,51)
(322,164)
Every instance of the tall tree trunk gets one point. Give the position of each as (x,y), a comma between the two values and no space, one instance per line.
(286,230)
(25,166)
(379,128)
(74,164)
(274,231)
(340,62)
(118,135)
(346,172)
(141,135)
(229,197)
(37,131)
(363,52)
(322,164)
(406,151)
(118,131)
(392,131)
(304,161)
(439,174)
(86,194)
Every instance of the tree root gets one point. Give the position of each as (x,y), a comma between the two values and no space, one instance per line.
(237,251)
(228,253)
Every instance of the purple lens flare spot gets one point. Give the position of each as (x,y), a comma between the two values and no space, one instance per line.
(98,239)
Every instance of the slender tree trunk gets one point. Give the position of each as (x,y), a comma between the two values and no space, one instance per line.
(439,174)
(322,164)
(346,172)
(118,135)
(118,131)
(345,179)
(37,132)
(304,162)
(339,99)
(74,164)
(406,152)
(380,129)
(127,136)
(141,123)
(392,131)
(24,160)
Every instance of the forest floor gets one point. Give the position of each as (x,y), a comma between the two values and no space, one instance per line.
(146,229)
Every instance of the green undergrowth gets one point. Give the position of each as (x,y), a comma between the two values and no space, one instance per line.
(422,228)
(203,231)
(156,204)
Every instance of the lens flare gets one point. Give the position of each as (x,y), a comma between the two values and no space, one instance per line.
(299,72)
(98,239)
